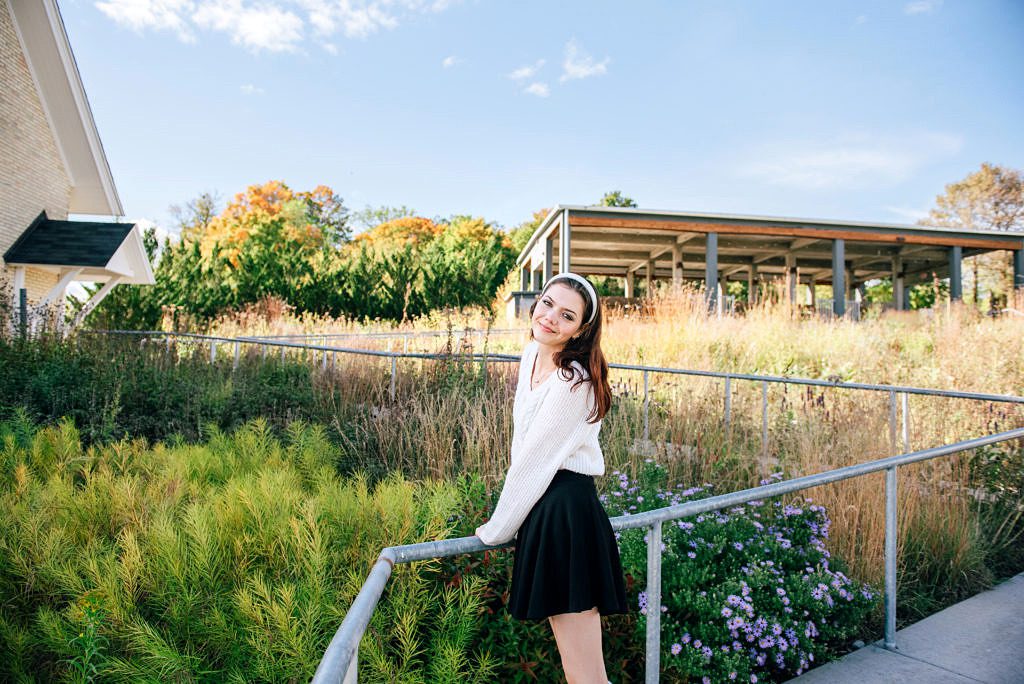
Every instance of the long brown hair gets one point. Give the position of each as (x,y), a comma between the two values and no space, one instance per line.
(584,348)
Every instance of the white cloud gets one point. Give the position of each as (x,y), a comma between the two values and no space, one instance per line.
(250,89)
(272,25)
(579,64)
(139,15)
(848,161)
(538,88)
(860,20)
(258,28)
(527,71)
(922,6)
(449,61)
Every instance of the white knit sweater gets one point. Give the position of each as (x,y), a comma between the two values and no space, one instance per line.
(550,433)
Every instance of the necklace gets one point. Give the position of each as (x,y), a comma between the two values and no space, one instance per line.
(535,382)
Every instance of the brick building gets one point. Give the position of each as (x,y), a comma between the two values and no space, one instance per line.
(52,164)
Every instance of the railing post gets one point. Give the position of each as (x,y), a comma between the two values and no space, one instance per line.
(764,419)
(728,402)
(647,401)
(892,423)
(653,604)
(906,422)
(238,350)
(282,353)
(263,352)
(167,343)
(213,351)
(394,372)
(890,558)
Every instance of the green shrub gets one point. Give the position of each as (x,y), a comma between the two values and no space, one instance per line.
(233,560)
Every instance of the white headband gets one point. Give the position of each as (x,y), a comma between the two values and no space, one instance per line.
(586,285)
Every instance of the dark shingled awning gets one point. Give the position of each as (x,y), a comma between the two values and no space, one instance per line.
(69,243)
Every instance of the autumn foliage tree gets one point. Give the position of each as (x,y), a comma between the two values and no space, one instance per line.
(272,241)
(991,198)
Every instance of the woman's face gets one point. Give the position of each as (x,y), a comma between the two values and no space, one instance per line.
(558,315)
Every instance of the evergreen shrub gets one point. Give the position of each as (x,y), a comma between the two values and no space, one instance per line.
(229,561)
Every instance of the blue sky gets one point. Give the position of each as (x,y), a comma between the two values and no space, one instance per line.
(858,111)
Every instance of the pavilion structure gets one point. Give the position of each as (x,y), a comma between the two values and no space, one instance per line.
(678,247)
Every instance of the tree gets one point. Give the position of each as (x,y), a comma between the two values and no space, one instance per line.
(371,217)
(397,233)
(991,198)
(615,198)
(521,234)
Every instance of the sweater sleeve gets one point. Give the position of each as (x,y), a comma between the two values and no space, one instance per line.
(555,432)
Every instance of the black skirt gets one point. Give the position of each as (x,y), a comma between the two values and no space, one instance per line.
(566,559)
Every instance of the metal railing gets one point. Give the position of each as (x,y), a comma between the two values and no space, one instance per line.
(898,394)
(340,660)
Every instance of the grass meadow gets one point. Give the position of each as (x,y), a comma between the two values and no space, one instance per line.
(160,442)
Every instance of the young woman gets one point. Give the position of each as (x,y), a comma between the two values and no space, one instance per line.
(566,566)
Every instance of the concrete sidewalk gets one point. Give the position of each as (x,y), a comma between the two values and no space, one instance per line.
(978,640)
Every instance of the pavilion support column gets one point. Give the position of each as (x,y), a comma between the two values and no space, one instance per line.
(811,286)
(565,244)
(711,271)
(549,250)
(1018,269)
(898,283)
(677,264)
(839,277)
(630,284)
(538,279)
(791,279)
(752,284)
(649,277)
(524,278)
(956,285)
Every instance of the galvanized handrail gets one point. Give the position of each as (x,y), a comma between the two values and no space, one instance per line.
(724,375)
(340,660)
(343,661)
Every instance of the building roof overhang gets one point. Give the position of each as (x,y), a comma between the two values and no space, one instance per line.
(47,51)
(97,251)
(615,240)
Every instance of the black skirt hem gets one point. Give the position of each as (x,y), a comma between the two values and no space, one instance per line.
(566,559)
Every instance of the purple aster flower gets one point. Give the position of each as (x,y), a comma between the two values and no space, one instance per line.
(677,649)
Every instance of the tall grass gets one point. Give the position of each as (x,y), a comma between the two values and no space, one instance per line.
(450,417)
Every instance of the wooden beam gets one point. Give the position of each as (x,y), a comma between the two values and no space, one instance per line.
(803,232)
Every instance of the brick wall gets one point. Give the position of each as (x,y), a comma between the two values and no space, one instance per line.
(32,175)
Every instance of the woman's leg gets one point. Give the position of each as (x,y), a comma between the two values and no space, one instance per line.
(578,636)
